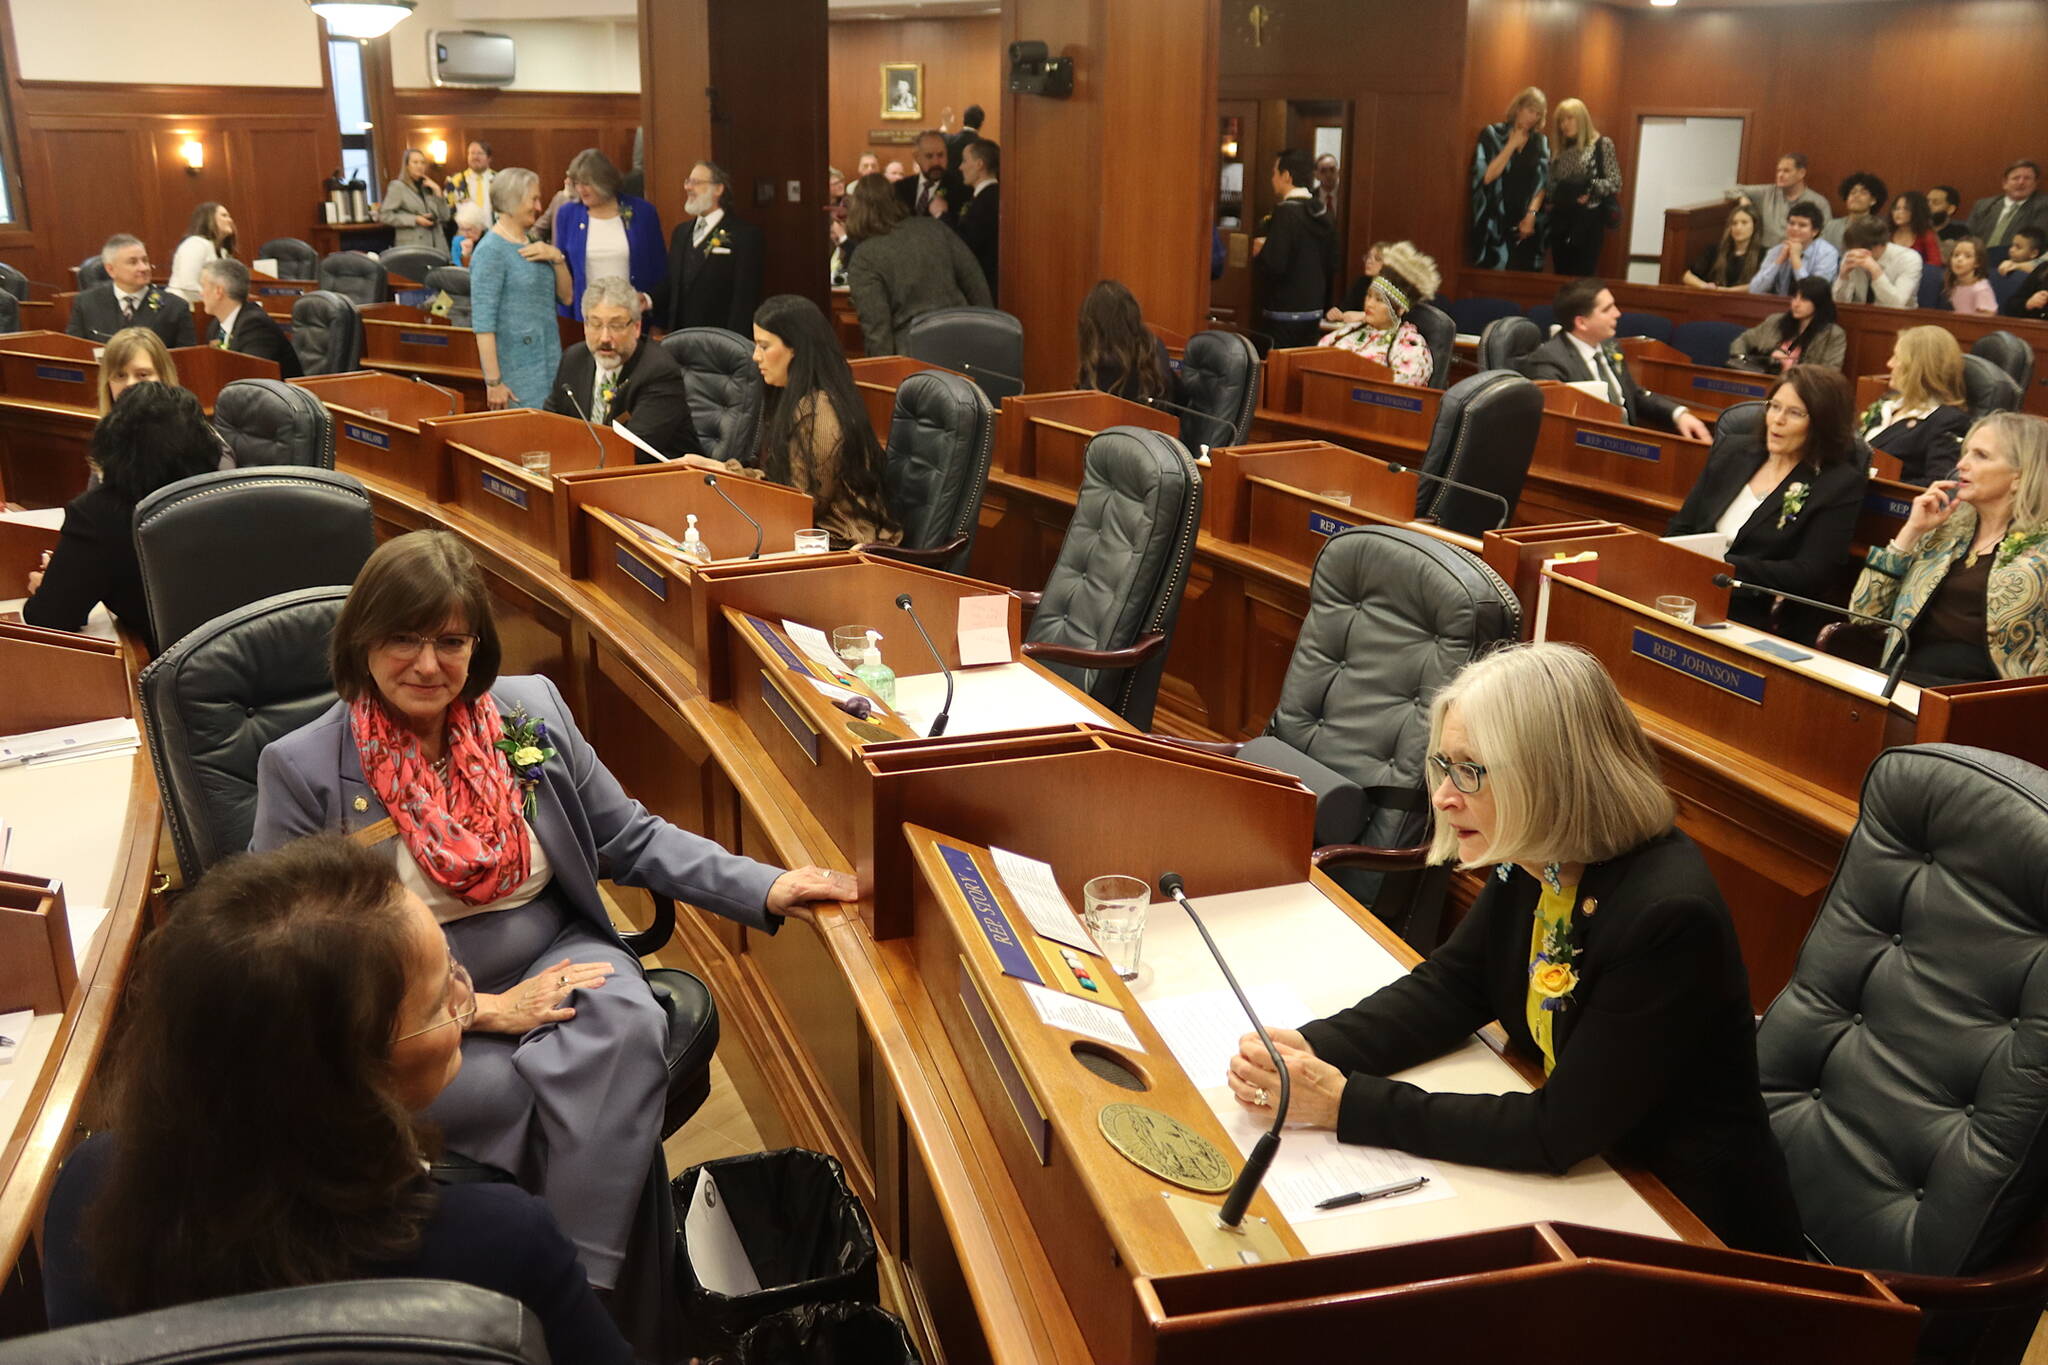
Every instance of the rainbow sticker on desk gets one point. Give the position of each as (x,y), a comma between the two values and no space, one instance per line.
(1699,667)
(995,925)
(1400,401)
(1618,445)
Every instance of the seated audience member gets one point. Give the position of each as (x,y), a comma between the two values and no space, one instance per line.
(1800,255)
(134,355)
(815,432)
(1788,503)
(1873,270)
(414,206)
(1732,262)
(1353,307)
(128,299)
(894,172)
(294,1017)
(1406,278)
(868,164)
(908,265)
(209,236)
(1922,418)
(472,221)
(935,191)
(1806,333)
(1912,224)
(155,435)
(1583,350)
(508,860)
(2030,300)
(1773,202)
(714,260)
(1861,193)
(1944,210)
(1641,1020)
(2025,251)
(239,325)
(1119,354)
(1294,257)
(1997,216)
(979,221)
(607,232)
(616,375)
(1967,575)
(1966,288)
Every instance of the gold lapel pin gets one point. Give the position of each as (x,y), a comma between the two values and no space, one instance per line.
(362,804)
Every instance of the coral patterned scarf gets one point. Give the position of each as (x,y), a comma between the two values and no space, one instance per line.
(466,835)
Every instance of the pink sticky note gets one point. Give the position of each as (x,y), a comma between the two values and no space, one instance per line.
(984,630)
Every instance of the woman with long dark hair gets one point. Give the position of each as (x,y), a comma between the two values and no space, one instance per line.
(1912,224)
(209,236)
(815,434)
(1806,333)
(1119,354)
(1734,260)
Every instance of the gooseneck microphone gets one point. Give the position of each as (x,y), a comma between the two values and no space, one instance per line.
(1247,1183)
(454,398)
(1506,510)
(1227,427)
(938,721)
(1898,664)
(970,367)
(588,425)
(711,482)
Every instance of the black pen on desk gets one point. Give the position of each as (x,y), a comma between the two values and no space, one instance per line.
(1345,1201)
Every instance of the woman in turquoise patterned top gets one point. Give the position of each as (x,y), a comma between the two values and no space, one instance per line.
(514,286)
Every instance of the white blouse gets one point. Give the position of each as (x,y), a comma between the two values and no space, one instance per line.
(605,251)
(192,253)
(448,907)
(1737,514)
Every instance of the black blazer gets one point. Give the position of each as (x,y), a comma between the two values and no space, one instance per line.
(96,315)
(257,334)
(1559,359)
(979,226)
(1656,1054)
(950,185)
(94,562)
(2015,305)
(719,286)
(1928,446)
(651,398)
(1299,260)
(1806,555)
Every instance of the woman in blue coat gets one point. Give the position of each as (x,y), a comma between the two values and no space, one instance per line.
(604,232)
(514,285)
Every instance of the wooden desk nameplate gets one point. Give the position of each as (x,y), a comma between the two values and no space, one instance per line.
(37,969)
(378,424)
(1356,395)
(1707,389)
(487,477)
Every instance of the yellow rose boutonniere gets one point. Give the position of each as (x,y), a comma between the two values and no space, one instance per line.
(526,747)
(1553,981)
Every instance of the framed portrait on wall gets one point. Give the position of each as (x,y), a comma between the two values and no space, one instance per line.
(902,89)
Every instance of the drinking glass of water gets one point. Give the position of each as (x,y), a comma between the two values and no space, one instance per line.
(1113,908)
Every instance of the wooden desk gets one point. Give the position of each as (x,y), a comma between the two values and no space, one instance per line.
(51,368)
(1343,392)
(877,378)
(1043,437)
(423,347)
(481,452)
(1663,368)
(377,426)
(1591,464)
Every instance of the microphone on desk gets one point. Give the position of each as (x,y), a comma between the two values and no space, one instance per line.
(1891,677)
(1228,428)
(588,425)
(1247,1183)
(971,368)
(1506,511)
(938,721)
(454,398)
(711,482)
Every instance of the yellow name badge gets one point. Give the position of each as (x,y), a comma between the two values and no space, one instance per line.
(377,833)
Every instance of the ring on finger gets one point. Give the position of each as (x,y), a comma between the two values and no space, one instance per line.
(564,979)
(1261,1098)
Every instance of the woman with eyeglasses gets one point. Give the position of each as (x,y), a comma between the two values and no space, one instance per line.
(1601,945)
(290,1023)
(498,815)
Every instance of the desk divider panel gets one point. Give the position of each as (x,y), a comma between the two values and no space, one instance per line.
(22,547)
(487,479)
(50,678)
(38,970)
(1633,564)
(1282,389)
(1662,368)
(388,447)
(1346,390)
(50,367)
(1887,502)
(1045,436)
(206,370)
(2003,715)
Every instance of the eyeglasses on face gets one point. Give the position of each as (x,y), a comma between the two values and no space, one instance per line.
(1777,409)
(459,1005)
(407,645)
(1466,777)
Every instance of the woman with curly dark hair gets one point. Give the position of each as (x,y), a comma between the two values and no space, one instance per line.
(1119,354)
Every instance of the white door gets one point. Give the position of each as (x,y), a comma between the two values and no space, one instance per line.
(1678,161)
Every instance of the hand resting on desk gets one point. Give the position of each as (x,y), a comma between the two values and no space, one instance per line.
(798,892)
(1318,1086)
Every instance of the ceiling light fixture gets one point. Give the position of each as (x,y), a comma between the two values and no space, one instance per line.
(1663,4)
(361,18)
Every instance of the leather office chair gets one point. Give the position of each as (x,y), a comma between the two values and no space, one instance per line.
(10,312)
(941,439)
(2005,350)
(1393,614)
(356,276)
(327,332)
(1654,325)
(1506,341)
(1706,342)
(12,281)
(1988,388)
(1474,314)
(985,344)
(1440,334)
(1485,435)
(725,390)
(412,262)
(1219,375)
(1902,1065)
(214,542)
(267,421)
(92,272)
(1105,618)
(296,260)
(374,1322)
(452,280)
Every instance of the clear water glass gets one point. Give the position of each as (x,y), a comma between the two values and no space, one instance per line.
(1114,908)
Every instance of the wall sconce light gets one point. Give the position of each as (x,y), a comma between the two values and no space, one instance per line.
(437,151)
(193,152)
(1230,149)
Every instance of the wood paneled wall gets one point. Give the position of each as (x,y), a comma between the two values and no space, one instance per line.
(540,130)
(965,63)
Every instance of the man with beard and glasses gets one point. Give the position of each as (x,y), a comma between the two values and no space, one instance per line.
(613,376)
(714,260)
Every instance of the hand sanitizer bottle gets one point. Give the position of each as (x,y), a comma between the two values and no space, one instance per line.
(693,543)
(877,675)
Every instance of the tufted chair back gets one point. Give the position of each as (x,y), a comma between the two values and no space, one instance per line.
(213,700)
(327,332)
(725,390)
(267,421)
(1441,335)
(412,262)
(92,272)
(1506,340)
(452,280)
(941,438)
(1905,1065)
(1485,435)
(1219,375)
(373,1322)
(2003,349)
(985,344)
(296,260)
(359,277)
(1988,388)
(13,282)
(10,312)
(1123,565)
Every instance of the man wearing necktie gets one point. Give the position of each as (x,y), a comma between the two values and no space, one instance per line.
(935,191)
(129,299)
(1584,350)
(1996,218)
(714,260)
(616,375)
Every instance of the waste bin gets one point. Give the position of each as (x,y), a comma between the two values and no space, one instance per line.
(826,1334)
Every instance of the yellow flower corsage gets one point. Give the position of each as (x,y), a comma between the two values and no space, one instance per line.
(1553,981)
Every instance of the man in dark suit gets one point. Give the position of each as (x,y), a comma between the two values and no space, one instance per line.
(714,260)
(934,190)
(1583,350)
(239,325)
(128,299)
(1996,217)
(614,375)
(1295,256)
(970,131)
(980,221)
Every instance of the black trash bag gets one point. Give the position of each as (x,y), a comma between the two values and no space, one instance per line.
(826,1334)
(804,1231)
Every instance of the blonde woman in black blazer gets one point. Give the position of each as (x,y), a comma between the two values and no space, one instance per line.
(1802,482)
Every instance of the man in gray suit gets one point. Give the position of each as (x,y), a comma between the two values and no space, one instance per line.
(1996,217)
(1773,201)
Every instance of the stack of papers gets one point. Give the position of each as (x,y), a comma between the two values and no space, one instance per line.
(90,739)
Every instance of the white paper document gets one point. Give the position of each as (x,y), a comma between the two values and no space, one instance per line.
(14,1028)
(1313,1166)
(1076,1015)
(48,518)
(90,738)
(988,700)
(816,646)
(1037,894)
(1712,544)
(1201,1031)
(713,1243)
(622,429)
(984,630)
